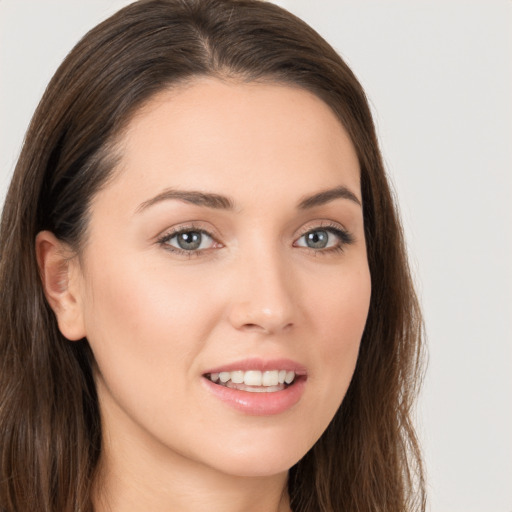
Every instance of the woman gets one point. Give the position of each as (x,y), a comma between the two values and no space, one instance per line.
(205,294)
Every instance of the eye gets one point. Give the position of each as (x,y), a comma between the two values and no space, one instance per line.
(324,239)
(188,240)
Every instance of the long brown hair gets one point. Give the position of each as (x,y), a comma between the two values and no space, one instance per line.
(50,433)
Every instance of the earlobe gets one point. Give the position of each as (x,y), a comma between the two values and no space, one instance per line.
(59,271)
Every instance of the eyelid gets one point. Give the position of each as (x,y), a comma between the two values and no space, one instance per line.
(322,224)
(170,233)
(344,235)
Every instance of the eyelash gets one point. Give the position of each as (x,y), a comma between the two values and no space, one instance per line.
(345,238)
(167,237)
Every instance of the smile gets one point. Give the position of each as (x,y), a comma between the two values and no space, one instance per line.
(257,387)
(254,381)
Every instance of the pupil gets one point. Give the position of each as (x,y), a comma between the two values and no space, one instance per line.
(317,239)
(189,240)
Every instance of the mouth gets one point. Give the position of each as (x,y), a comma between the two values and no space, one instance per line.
(258,387)
(254,381)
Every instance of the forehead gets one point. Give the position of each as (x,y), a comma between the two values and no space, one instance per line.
(231,137)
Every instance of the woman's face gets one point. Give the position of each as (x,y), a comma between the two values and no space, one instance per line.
(229,245)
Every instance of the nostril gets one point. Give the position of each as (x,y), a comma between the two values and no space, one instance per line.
(252,327)
(263,328)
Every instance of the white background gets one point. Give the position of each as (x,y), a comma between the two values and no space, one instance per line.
(439,78)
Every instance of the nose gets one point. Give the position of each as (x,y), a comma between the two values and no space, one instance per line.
(264,300)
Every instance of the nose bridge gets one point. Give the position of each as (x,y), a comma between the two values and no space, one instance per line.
(265,290)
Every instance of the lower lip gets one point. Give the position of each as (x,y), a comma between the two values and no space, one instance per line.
(259,404)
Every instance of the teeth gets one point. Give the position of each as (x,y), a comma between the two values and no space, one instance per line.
(224,376)
(252,378)
(268,379)
(237,377)
(289,377)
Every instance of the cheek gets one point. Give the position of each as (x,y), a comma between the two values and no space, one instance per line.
(340,318)
(146,328)
(341,311)
(141,323)
(137,298)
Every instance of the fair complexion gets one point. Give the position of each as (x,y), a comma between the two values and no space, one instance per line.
(230,238)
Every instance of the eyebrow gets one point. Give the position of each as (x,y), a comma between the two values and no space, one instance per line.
(220,202)
(327,196)
(209,200)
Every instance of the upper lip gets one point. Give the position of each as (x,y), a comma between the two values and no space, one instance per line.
(261,365)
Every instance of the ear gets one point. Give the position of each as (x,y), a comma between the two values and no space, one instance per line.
(61,276)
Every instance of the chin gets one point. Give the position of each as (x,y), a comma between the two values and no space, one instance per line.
(256,467)
(261,457)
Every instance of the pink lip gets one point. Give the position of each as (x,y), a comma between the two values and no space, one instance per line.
(262,365)
(259,404)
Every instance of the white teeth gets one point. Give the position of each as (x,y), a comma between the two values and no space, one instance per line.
(289,377)
(237,377)
(270,378)
(256,378)
(224,376)
(252,378)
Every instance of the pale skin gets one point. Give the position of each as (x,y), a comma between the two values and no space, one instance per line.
(259,285)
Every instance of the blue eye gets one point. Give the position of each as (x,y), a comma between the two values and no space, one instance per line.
(324,238)
(317,239)
(189,240)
